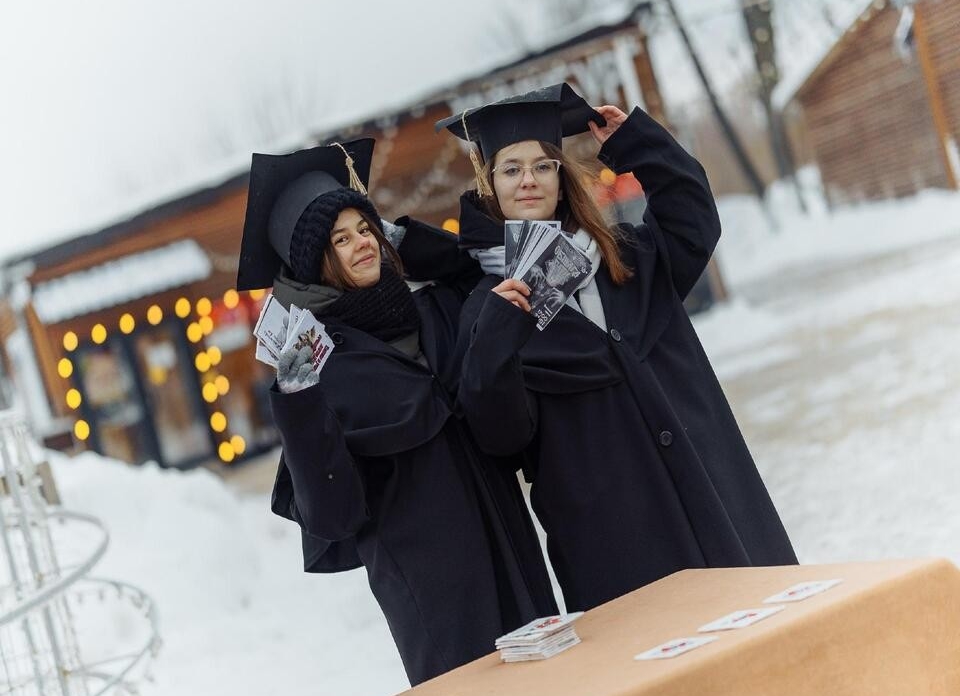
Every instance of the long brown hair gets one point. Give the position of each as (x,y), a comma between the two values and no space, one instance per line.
(332,270)
(576,209)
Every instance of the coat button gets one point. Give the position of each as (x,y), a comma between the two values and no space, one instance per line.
(336,337)
(666,438)
(615,335)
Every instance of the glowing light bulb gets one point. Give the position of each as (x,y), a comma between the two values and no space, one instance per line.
(154,315)
(73,398)
(98,334)
(226,452)
(81,429)
(204,306)
(182,307)
(127,323)
(218,422)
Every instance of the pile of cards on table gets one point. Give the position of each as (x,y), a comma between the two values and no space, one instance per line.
(539,254)
(539,639)
(278,331)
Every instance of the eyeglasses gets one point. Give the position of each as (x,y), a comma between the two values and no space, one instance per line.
(542,170)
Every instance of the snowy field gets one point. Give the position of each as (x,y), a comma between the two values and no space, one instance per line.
(838,350)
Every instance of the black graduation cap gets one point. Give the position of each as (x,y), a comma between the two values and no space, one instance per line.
(548,114)
(281,187)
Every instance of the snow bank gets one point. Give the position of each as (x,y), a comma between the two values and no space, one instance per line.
(750,249)
(237,614)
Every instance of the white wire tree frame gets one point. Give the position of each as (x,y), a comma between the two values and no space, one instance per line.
(47,597)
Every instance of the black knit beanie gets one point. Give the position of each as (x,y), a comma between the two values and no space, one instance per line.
(311,235)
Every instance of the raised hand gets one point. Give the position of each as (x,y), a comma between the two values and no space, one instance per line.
(614,117)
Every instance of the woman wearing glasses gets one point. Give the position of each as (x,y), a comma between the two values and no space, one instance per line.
(637,465)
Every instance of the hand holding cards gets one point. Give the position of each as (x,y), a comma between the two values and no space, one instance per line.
(538,253)
(279,331)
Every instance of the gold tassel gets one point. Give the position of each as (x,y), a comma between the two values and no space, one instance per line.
(355,182)
(483,188)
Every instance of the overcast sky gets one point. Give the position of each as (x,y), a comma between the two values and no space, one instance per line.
(111,106)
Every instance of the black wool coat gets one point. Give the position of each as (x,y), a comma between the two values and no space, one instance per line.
(378,472)
(637,464)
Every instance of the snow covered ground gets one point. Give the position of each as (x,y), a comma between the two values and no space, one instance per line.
(838,351)
(840,355)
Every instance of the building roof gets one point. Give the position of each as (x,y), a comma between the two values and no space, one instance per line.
(66,250)
(823,53)
(121,280)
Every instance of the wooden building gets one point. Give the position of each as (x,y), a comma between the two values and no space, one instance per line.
(142,346)
(882,109)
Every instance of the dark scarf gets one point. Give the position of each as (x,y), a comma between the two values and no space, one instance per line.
(385,310)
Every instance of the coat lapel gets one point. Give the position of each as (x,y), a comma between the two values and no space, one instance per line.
(385,402)
(640,309)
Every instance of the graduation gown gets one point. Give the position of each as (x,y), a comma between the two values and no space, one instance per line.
(379,473)
(637,464)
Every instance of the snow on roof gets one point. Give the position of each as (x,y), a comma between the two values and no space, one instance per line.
(121,280)
(818,46)
(607,15)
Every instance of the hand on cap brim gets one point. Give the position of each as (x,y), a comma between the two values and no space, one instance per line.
(614,116)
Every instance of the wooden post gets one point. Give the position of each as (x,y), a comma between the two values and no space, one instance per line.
(934,97)
(53,383)
(733,140)
(654,104)
(649,87)
(758,21)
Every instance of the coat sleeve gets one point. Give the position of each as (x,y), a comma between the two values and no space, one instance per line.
(318,484)
(492,395)
(432,253)
(681,212)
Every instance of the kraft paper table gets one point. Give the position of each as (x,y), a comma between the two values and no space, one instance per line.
(891,627)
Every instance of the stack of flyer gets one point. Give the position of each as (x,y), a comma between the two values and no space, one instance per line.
(539,254)
(539,639)
(279,331)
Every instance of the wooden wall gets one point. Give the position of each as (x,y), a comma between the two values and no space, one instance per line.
(867,110)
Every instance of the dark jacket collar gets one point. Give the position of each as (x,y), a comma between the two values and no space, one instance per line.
(477,229)
(316,298)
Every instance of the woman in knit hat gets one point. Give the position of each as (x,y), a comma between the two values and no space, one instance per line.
(376,469)
(637,465)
